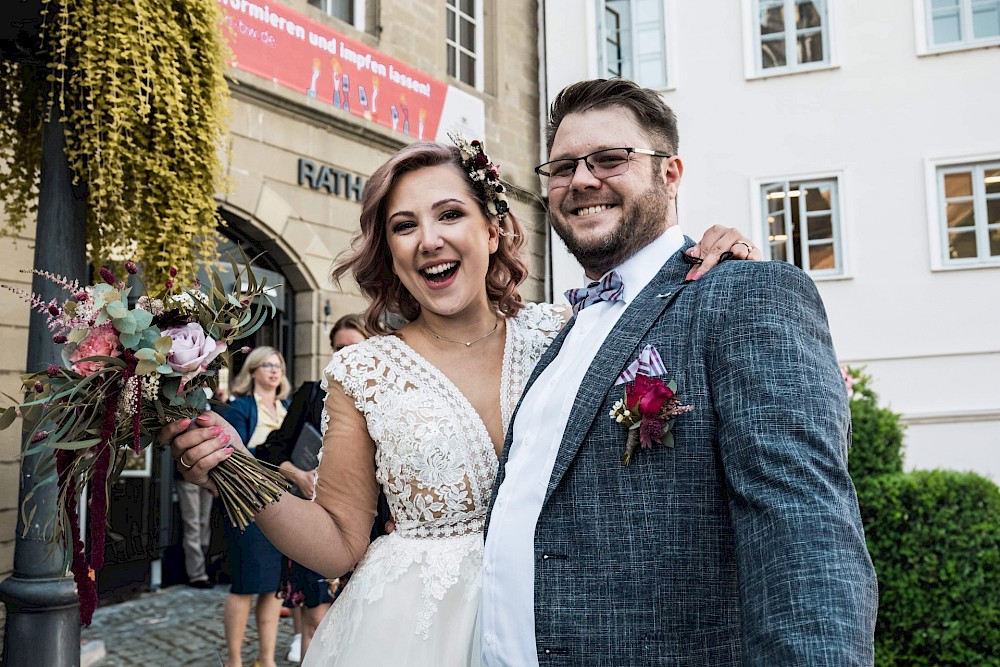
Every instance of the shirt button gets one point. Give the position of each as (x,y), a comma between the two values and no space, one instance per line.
(490,639)
(488,568)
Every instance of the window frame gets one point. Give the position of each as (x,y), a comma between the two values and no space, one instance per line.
(454,13)
(359,12)
(924,26)
(753,67)
(937,214)
(667,52)
(837,214)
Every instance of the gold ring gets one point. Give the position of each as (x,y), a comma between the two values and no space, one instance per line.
(749,247)
(180,459)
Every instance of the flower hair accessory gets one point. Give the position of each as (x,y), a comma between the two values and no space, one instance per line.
(485,175)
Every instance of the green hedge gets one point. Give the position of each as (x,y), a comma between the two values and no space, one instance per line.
(934,537)
(877,443)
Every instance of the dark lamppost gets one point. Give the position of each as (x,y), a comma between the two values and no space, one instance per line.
(43,620)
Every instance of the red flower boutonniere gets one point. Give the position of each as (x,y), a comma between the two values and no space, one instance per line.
(648,410)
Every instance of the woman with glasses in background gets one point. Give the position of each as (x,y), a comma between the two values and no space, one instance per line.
(260,388)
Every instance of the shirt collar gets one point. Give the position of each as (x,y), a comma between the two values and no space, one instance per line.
(639,269)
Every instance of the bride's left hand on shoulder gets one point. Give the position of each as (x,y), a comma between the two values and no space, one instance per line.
(719,244)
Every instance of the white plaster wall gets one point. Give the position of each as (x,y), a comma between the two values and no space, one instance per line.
(931,339)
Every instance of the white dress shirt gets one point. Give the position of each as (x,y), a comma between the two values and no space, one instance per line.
(507,611)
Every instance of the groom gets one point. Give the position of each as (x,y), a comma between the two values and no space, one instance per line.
(739,542)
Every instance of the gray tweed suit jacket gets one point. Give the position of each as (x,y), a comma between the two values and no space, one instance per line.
(743,544)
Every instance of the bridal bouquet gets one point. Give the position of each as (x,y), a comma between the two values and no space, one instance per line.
(127,370)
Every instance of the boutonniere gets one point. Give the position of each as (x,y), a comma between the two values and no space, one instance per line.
(649,406)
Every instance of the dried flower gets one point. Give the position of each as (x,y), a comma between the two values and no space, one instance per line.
(131,267)
(173,272)
(107,276)
(59,339)
(169,284)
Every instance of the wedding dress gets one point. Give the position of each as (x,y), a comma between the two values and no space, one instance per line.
(414,597)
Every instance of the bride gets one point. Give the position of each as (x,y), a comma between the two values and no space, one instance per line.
(420,412)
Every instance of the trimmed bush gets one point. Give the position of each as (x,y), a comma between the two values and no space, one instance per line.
(934,537)
(877,445)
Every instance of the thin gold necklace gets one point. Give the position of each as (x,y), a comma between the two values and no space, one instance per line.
(461,342)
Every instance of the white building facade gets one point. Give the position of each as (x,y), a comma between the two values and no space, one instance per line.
(861,142)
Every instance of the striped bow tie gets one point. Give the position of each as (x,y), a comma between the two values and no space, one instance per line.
(608,288)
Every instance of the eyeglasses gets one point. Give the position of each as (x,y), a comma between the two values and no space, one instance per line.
(270,367)
(602,164)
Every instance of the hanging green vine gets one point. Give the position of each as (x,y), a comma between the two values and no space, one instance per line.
(140,88)
(21,104)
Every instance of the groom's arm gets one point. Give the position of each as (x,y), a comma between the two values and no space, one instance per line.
(808,594)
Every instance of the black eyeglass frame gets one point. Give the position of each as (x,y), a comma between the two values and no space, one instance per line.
(629,150)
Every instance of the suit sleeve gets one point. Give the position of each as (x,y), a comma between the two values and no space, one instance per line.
(808,594)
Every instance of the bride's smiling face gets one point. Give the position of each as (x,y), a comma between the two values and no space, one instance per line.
(440,240)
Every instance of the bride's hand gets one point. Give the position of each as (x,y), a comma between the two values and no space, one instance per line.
(716,242)
(200,444)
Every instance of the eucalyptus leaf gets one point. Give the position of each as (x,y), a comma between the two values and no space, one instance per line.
(142,318)
(116,310)
(8,417)
(77,444)
(131,341)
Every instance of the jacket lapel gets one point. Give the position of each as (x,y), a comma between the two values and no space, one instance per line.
(618,350)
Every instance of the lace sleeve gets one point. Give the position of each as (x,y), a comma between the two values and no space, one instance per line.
(544,319)
(345,484)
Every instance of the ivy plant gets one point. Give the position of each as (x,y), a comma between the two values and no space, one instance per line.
(140,88)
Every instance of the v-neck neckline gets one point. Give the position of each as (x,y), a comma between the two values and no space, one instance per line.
(450,385)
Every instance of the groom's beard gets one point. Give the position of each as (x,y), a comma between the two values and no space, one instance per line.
(639,224)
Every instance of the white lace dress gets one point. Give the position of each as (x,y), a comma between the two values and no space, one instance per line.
(414,597)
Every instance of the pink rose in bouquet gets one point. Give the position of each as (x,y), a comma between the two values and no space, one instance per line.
(102,341)
(192,350)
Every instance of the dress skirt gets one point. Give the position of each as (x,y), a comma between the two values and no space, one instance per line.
(411,601)
(254,563)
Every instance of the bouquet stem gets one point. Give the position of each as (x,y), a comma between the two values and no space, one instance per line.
(246,486)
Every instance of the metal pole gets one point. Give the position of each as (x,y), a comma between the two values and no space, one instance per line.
(43,619)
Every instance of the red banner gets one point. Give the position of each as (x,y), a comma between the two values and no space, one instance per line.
(280,44)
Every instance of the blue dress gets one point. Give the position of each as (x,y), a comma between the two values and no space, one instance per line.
(254,563)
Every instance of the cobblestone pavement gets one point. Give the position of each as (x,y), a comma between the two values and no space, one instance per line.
(174,626)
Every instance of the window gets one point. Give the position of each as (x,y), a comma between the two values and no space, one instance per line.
(802,224)
(465,40)
(961,23)
(969,213)
(634,39)
(791,35)
(348,11)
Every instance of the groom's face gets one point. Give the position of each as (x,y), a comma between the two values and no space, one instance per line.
(603,222)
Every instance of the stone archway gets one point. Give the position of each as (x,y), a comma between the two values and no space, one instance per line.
(290,249)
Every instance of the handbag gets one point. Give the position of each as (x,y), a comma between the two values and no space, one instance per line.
(305,454)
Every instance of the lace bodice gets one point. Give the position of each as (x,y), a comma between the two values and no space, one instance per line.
(434,458)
